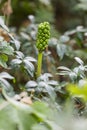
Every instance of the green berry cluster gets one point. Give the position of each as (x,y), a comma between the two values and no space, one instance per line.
(43,36)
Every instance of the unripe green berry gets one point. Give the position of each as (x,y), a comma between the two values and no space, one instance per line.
(43,36)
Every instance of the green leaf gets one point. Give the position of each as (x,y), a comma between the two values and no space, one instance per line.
(79,60)
(28,58)
(4,83)
(22,116)
(41,110)
(12,118)
(40,127)
(46,87)
(77,91)
(6,75)
(19,55)
(61,50)
(64,68)
(31,84)
(6,48)
(16,62)
(29,67)
(51,92)
(8,117)
(3,60)
(4,26)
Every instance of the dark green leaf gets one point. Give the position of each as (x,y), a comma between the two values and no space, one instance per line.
(29,67)
(61,50)
(16,61)
(6,48)
(31,84)
(6,75)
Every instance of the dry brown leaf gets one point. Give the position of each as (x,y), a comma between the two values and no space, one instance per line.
(26,100)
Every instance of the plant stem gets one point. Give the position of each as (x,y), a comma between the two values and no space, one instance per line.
(39,64)
(7,20)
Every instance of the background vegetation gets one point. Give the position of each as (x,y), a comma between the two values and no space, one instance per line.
(59,94)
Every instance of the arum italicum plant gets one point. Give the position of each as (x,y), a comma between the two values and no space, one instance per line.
(43,36)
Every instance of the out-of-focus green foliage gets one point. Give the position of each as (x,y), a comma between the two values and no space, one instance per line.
(44,14)
(69,14)
(41,9)
(38,116)
(82,5)
(22,118)
(41,106)
(78,90)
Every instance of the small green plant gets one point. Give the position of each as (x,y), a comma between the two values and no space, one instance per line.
(43,36)
(76,73)
(23,62)
(43,85)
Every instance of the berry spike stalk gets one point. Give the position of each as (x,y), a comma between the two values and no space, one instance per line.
(43,36)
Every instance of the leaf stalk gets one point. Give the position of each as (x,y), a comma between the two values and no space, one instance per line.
(39,64)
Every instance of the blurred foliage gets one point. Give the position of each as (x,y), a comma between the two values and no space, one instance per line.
(82,5)
(42,9)
(44,13)
(57,96)
(79,90)
(65,14)
(38,116)
(69,14)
